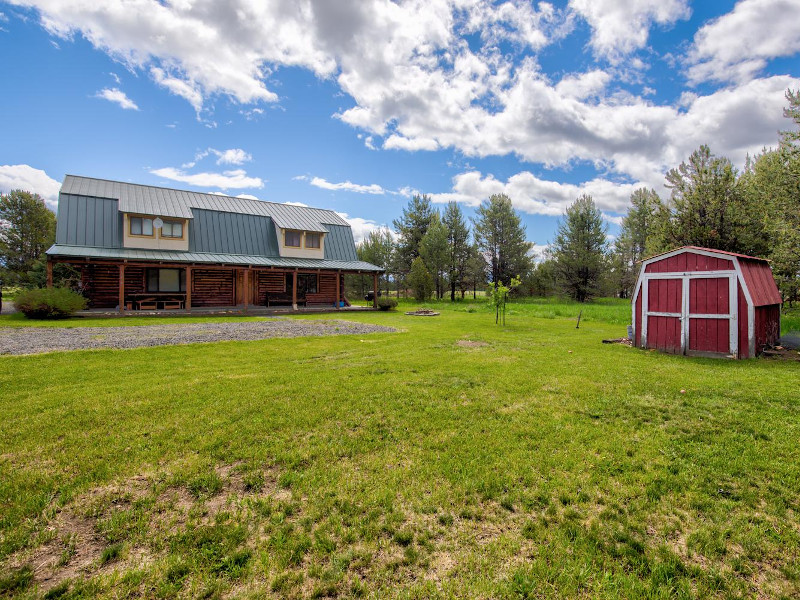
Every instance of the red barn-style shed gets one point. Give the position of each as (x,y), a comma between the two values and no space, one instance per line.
(705,302)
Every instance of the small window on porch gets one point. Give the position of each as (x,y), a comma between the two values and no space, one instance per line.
(166,280)
(306,284)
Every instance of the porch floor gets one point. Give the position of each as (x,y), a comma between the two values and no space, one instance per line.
(222,310)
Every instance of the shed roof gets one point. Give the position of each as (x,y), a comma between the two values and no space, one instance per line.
(756,273)
(210,258)
(689,248)
(168,202)
(760,282)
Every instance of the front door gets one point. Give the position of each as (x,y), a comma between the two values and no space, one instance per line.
(664,314)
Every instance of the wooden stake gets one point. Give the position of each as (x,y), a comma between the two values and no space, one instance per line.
(578,324)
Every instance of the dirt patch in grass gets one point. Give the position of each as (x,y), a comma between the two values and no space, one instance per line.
(82,539)
(470,344)
(782,353)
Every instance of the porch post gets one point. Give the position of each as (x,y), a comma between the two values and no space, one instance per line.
(122,288)
(188,289)
(375,290)
(294,289)
(338,290)
(49,272)
(246,287)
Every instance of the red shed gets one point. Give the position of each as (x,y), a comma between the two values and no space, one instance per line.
(705,302)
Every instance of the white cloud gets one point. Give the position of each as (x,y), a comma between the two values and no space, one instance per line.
(537,196)
(247,196)
(117,96)
(115,77)
(232,156)
(295,203)
(186,89)
(737,45)
(620,27)
(25,177)
(346,186)
(361,228)
(235,179)
(417,84)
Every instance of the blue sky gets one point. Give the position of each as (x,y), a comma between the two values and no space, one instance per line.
(354,105)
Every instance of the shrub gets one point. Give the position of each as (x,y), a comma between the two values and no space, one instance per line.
(49,303)
(387,303)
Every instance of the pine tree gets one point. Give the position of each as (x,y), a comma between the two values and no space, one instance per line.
(411,227)
(420,280)
(501,236)
(458,246)
(708,209)
(434,250)
(638,226)
(378,248)
(579,250)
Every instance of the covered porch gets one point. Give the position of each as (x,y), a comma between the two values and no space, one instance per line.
(160,287)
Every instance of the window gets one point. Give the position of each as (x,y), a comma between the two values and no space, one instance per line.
(166,280)
(141,226)
(312,240)
(306,284)
(291,238)
(172,229)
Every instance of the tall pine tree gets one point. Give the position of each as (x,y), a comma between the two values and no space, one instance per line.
(579,250)
(501,236)
(411,227)
(458,246)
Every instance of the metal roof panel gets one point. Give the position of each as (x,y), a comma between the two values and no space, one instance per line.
(209,258)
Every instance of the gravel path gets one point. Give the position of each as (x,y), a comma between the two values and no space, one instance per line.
(34,340)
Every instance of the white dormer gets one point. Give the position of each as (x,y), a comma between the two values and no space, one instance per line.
(297,243)
(154,232)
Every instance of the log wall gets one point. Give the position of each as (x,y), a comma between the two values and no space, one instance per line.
(101,285)
(212,287)
(269,281)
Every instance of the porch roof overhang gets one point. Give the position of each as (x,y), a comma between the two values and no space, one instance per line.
(170,256)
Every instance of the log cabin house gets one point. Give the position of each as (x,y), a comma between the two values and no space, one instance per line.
(142,247)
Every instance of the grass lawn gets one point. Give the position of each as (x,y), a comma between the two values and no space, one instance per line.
(454,458)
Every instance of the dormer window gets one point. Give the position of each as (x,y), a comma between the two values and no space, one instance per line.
(172,229)
(312,240)
(291,239)
(141,226)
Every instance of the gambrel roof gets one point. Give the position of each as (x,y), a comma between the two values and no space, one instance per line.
(168,202)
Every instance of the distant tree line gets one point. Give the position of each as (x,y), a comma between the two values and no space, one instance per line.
(439,254)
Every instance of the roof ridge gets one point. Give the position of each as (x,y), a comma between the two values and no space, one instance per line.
(159,187)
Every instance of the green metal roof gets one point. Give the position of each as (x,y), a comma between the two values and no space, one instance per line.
(209,258)
(167,202)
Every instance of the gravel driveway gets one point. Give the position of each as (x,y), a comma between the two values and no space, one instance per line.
(34,340)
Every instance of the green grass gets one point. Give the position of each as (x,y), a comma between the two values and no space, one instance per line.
(452,459)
